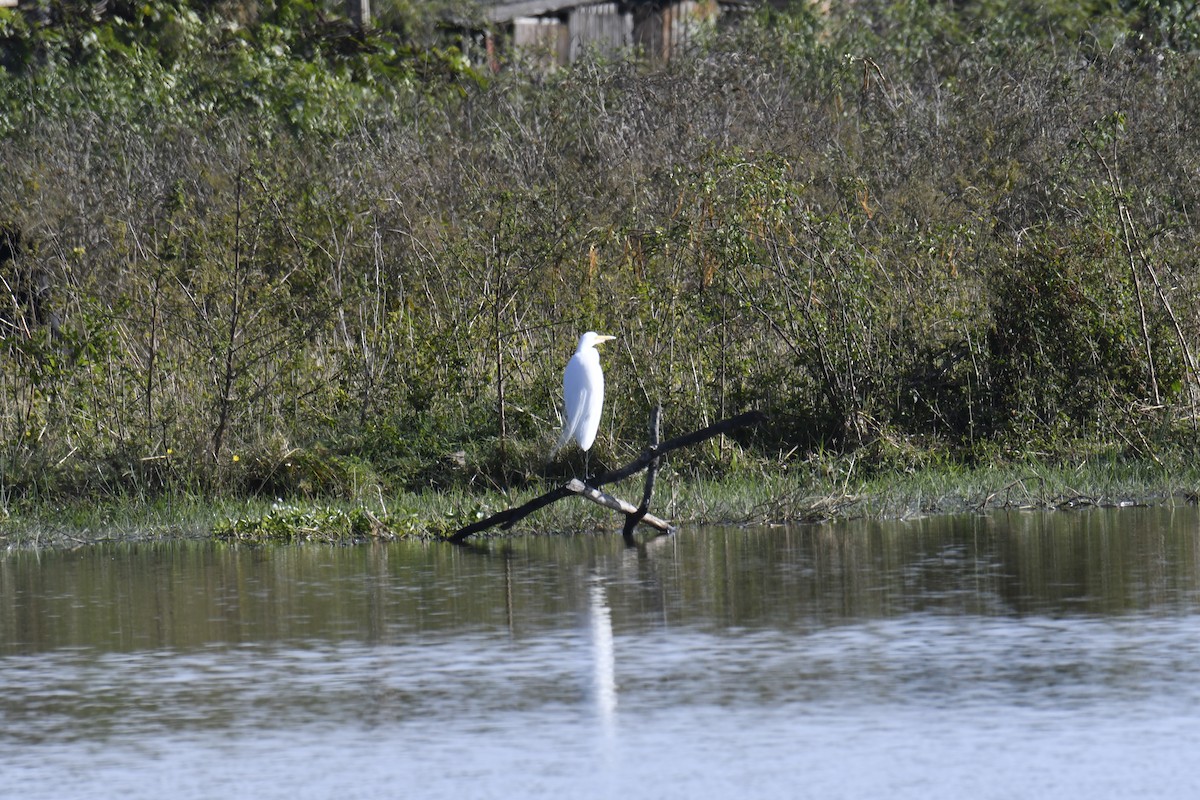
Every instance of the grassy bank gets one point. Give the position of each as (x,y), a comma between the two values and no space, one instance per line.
(815,493)
(249,253)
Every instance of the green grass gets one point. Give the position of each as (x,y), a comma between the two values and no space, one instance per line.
(818,490)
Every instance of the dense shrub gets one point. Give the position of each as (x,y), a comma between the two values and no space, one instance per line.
(248,248)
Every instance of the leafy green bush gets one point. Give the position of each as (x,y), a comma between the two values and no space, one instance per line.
(910,231)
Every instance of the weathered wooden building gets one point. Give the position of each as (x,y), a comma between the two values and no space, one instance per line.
(556,32)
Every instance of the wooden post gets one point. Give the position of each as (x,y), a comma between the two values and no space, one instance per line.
(359,12)
(640,514)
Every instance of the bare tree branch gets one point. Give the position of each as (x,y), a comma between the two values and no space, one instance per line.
(649,458)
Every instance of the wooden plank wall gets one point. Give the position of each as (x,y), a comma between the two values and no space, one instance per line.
(667,30)
(682,20)
(557,32)
(545,40)
(604,26)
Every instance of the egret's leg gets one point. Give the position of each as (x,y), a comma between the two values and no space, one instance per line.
(587,454)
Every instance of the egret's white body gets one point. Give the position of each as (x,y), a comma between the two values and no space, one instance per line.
(583,393)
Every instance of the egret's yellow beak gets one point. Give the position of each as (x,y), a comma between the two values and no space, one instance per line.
(601,338)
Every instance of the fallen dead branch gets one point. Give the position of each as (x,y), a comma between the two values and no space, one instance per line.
(648,460)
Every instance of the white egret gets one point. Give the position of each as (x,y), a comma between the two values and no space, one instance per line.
(583,394)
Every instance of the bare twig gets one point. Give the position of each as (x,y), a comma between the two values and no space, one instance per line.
(1136,256)
(1007,490)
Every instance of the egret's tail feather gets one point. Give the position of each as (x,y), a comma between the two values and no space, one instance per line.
(567,432)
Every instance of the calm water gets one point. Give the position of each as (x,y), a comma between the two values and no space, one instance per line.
(1003,656)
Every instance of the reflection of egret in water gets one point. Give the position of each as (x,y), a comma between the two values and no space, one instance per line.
(603,659)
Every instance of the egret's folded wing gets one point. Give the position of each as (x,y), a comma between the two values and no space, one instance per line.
(570,423)
(575,401)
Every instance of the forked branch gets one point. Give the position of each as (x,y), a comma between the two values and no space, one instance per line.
(591,490)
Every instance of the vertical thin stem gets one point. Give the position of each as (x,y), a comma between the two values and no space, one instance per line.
(1127,233)
(151,357)
(225,398)
(499,353)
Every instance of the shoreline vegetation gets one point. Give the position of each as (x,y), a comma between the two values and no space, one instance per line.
(267,275)
(779,499)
